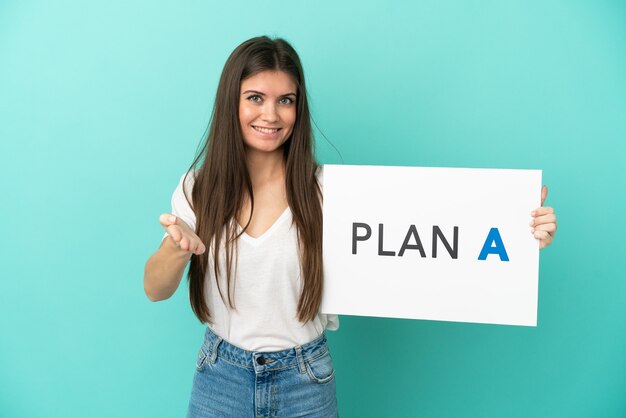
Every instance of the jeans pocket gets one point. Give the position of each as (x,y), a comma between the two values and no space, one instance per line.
(320,369)
(201,359)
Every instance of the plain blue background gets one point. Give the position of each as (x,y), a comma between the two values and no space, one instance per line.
(102,107)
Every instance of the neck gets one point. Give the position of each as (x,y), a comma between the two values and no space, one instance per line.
(264,166)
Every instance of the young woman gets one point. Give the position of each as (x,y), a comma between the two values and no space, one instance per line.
(256,198)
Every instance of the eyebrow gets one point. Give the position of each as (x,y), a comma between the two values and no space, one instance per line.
(263,94)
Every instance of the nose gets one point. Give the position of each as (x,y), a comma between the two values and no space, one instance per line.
(269,112)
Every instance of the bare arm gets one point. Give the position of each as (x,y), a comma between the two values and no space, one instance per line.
(164,269)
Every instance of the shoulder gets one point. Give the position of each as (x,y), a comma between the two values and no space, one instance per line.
(182,204)
(182,196)
(187,180)
(189,177)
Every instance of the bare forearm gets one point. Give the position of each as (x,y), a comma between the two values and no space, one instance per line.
(164,270)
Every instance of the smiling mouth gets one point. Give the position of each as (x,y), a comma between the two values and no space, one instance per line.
(265,130)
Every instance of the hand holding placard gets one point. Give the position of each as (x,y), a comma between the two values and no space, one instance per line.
(543,224)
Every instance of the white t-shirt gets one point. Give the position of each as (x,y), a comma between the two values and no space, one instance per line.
(266,286)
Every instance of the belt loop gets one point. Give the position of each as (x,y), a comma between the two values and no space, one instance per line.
(300,359)
(213,350)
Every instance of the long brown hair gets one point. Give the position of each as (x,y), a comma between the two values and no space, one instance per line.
(222,182)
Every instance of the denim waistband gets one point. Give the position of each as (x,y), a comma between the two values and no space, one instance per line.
(215,346)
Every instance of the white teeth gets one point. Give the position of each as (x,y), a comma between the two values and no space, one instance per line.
(265,130)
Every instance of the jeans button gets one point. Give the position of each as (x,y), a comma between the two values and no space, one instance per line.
(260,361)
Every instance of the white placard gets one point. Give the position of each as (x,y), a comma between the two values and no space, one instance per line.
(380,227)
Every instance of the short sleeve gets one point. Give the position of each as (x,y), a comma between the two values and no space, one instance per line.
(180,206)
(329,322)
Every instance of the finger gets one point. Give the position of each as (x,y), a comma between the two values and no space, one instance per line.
(541,235)
(167,219)
(550,227)
(543,219)
(544,210)
(544,194)
(174,242)
(184,243)
(199,249)
(544,238)
(545,242)
(175,232)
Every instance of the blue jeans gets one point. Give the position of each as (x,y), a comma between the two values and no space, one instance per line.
(233,382)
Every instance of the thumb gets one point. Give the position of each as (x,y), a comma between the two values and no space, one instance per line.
(168,219)
(544,194)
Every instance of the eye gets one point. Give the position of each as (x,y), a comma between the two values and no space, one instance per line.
(286,101)
(255,98)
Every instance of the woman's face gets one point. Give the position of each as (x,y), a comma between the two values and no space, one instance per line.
(267,110)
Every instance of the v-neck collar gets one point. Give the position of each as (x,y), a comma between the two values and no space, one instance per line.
(258,240)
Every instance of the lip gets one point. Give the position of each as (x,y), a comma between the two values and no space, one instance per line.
(264,134)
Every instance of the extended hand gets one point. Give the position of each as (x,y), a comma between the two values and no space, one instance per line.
(184,237)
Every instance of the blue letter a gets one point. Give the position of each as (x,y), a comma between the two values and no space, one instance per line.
(489,248)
